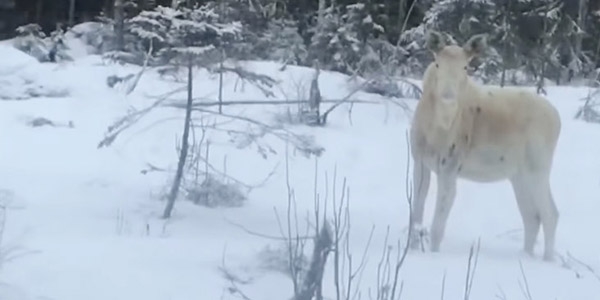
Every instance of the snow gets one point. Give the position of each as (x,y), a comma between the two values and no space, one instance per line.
(14,60)
(84,223)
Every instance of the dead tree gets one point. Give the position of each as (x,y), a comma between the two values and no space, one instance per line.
(314,276)
(183,153)
(313,114)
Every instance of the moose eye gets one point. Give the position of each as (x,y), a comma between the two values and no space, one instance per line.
(465,68)
(437,66)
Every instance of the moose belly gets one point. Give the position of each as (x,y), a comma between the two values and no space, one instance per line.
(487,165)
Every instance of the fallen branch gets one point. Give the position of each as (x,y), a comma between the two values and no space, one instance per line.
(265,102)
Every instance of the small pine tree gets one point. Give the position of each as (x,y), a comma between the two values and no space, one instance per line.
(252,25)
(198,33)
(150,28)
(281,42)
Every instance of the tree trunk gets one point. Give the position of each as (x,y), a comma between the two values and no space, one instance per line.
(581,15)
(120,24)
(504,42)
(183,153)
(221,81)
(321,12)
(401,13)
(71,13)
(39,10)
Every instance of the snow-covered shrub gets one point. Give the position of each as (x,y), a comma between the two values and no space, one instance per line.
(277,258)
(58,48)
(30,39)
(33,41)
(212,192)
(590,110)
(99,36)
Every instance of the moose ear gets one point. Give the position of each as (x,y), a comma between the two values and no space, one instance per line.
(476,45)
(435,41)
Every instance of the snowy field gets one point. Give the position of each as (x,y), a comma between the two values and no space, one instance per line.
(84,223)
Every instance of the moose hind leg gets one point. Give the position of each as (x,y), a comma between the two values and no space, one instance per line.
(549,215)
(522,188)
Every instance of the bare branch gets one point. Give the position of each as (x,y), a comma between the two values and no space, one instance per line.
(178,104)
(471,267)
(131,118)
(344,100)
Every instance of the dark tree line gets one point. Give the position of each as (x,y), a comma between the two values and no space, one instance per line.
(557,39)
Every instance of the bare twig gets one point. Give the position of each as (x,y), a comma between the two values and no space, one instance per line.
(525,285)
(409,197)
(292,248)
(443,286)
(471,268)
(233,280)
(585,265)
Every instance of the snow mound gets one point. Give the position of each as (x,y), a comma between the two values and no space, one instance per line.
(14,60)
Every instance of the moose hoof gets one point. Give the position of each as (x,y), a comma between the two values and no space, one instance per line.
(419,238)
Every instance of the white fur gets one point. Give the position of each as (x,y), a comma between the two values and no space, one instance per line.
(488,134)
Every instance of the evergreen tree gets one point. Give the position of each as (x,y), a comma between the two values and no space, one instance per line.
(341,41)
(282,42)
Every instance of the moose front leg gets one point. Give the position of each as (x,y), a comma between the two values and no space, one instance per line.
(445,199)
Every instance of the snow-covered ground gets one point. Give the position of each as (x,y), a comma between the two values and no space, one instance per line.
(84,223)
